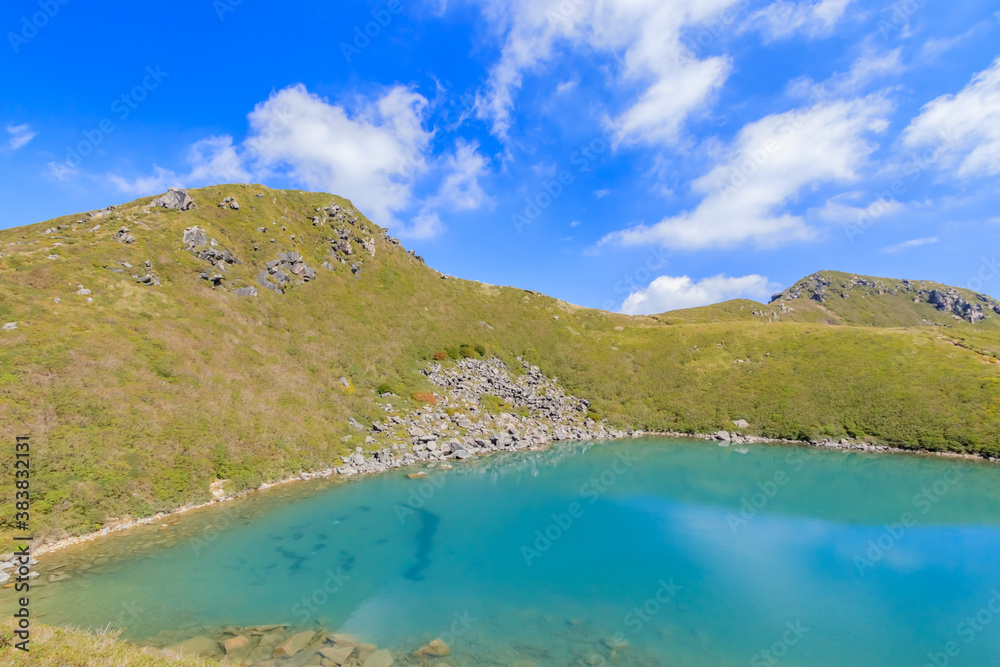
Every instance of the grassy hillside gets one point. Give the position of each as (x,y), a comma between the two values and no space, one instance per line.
(138,396)
(833,297)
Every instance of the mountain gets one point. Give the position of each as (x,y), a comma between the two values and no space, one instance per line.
(832,297)
(233,332)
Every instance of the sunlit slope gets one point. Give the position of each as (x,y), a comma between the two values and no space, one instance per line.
(138,395)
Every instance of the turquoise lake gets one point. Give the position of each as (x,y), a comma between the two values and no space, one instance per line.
(646,552)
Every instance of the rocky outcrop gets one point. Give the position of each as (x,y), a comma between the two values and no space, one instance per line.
(290,268)
(122,236)
(483,408)
(819,287)
(952,302)
(195,237)
(175,198)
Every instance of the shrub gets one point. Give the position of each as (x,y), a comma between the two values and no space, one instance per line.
(481,350)
(467,351)
(384,388)
(424,397)
(440,355)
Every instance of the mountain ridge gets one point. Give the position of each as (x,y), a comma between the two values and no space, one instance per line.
(145,368)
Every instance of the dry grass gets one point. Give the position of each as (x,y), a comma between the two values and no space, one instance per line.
(67,647)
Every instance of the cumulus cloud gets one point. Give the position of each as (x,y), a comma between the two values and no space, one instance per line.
(676,292)
(20,135)
(746,195)
(783,19)
(212,160)
(644,35)
(965,126)
(375,153)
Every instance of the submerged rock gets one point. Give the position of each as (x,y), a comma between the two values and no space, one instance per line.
(293,644)
(434,649)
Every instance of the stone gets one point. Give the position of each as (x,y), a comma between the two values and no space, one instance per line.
(337,654)
(380,658)
(365,651)
(343,639)
(175,198)
(246,291)
(741,423)
(10,326)
(195,237)
(235,205)
(234,644)
(293,644)
(417,475)
(201,646)
(434,649)
(723,435)
(83,291)
(462,454)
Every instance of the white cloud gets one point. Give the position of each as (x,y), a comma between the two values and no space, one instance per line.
(20,135)
(375,154)
(856,208)
(601,194)
(213,160)
(747,194)
(60,171)
(676,292)
(460,189)
(906,245)
(645,37)
(371,156)
(783,19)
(965,126)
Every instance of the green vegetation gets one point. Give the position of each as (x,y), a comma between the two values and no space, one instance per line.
(61,647)
(138,400)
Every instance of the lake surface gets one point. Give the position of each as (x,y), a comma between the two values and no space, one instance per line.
(647,552)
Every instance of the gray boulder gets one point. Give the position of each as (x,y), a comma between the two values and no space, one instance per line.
(246,291)
(195,237)
(175,198)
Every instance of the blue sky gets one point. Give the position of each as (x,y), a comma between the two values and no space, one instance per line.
(640,155)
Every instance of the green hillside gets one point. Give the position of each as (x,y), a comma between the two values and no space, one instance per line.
(832,297)
(141,384)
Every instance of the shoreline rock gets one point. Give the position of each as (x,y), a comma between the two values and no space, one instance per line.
(432,435)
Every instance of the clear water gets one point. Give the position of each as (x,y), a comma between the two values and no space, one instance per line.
(691,553)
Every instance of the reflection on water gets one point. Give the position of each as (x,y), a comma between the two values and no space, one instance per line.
(825,557)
